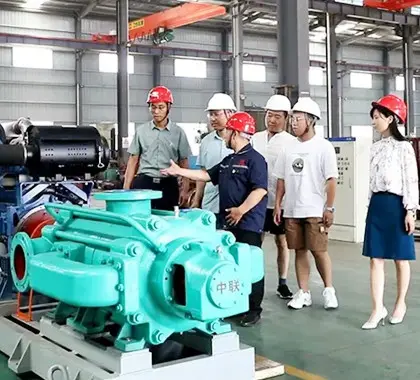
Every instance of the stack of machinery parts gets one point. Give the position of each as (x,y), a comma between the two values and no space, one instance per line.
(128,279)
(40,164)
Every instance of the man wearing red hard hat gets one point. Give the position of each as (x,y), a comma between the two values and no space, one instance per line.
(243,180)
(154,145)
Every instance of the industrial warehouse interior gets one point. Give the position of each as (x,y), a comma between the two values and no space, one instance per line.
(109,273)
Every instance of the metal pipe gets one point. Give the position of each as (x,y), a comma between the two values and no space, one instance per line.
(123,80)
(329,68)
(78,75)
(237,58)
(408,78)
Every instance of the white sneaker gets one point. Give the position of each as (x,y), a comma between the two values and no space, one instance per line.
(300,299)
(330,299)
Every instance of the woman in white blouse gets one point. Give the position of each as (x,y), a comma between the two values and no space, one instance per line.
(394,197)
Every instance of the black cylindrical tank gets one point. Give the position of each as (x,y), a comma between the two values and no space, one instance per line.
(67,151)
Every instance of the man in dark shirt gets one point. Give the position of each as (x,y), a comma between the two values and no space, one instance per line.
(242,178)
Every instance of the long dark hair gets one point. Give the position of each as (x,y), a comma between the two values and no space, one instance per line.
(393,127)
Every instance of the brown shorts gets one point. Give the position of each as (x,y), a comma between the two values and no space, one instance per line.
(306,233)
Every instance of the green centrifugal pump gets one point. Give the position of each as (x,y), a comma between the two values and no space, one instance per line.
(135,274)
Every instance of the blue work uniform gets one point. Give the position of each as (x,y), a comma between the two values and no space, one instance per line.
(237,175)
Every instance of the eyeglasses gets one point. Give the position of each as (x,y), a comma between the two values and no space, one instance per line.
(297,119)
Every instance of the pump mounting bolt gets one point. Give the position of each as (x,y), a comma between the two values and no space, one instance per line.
(212,326)
(228,239)
(158,336)
(208,219)
(137,318)
(118,266)
(154,225)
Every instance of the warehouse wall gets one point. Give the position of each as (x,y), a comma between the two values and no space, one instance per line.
(49,95)
(44,95)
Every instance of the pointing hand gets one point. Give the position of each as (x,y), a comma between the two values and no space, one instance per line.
(171,170)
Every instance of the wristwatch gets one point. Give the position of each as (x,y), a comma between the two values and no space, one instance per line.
(330,209)
(414,212)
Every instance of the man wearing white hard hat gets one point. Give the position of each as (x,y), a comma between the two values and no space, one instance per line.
(307,178)
(212,151)
(269,143)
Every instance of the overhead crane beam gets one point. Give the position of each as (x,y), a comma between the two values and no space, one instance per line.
(171,18)
(391,5)
(348,11)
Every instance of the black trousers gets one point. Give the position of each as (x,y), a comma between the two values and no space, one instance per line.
(168,186)
(257,292)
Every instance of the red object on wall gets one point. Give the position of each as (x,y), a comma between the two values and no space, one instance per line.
(391,5)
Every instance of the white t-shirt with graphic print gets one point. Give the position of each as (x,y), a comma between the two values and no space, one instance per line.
(270,148)
(305,168)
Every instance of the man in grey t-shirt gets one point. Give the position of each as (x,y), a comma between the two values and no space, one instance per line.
(212,151)
(154,145)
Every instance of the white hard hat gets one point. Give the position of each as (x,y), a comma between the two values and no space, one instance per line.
(278,103)
(307,105)
(220,101)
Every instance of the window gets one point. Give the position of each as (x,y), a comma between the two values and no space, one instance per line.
(190,68)
(400,83)
(415,11)
(108,63)
(316,76)
(32,57)
(253,73)
(360,80)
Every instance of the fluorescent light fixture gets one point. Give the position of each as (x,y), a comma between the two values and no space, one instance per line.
(33,3)
(265,21)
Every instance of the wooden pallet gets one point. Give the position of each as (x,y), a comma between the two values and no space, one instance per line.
(266,368)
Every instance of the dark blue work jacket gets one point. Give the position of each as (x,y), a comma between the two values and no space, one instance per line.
(237,176)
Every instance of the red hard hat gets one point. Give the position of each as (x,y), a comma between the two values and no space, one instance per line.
(393,104)
(241,122)
(160,94)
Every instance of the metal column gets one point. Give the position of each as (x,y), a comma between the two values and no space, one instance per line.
(333,110)
(79,75)
(237,50)
(408,77)
(293,47)
(156,70)
(225,64)
(387,77)
(123,80)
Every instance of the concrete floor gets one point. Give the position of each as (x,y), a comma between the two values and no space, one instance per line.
(316,344)
(330,344)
